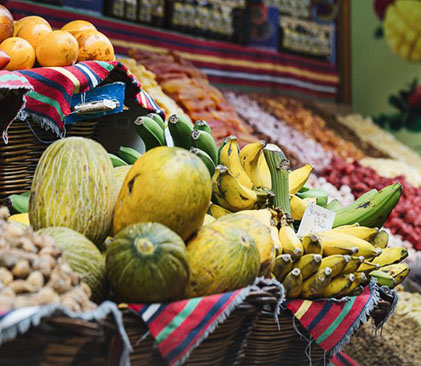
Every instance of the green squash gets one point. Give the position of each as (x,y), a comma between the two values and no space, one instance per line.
(147,262)
(83,257)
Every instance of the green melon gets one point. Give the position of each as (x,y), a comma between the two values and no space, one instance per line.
(168,185)
(222,257)
(83,257)
(72,187)
(147,262)
(119,174)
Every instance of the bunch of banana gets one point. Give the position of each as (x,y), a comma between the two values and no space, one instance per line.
(17,203)
(126,156)
(150,129)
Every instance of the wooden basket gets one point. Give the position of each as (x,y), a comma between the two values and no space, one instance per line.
(19,158)
(249,336)
(63,341)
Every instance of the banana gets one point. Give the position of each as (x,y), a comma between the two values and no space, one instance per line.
(391,256)
(282,266)
(339,243)
(316,283)
(180,130)
(217,211)
(308,264)
(381,239)
(228,191)
(275,239)
(116,160)
(334,205)
(371,212)
(362,232)
(205,158)
(337,263)
(299,177)
(312,244)
(221,147)
(365,197)
(128,154)
(298,206)
(360,278)
(293,283)
(358,291)
(22,218)
(367,267)
(290,242)
(398,271)
(205,142)
(315,193)
(17,203)
(202,125)
(26,194)
(353,265)
(158,119)
(254,164)
(229,156)
(337,286)
(383,279)
(150,132)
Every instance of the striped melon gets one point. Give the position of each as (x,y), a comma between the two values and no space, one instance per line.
(83,257)
(72,187)
(119,173)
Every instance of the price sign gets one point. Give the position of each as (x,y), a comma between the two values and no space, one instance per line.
(315,220)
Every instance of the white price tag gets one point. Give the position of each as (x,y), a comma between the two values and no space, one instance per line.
(315,220)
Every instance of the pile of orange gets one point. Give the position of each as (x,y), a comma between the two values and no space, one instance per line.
(32,39)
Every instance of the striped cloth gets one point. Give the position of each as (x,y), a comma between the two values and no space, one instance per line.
(341,359)
(227,65)
(53,87)
(13,87)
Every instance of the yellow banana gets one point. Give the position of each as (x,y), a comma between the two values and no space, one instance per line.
(217,211)
(338,285)
(367,267)
(230,191)
(255,167)
(339,243)
(311,244)
(390,256)
(337,263)
(293,284)
(230,157)
(381,239)
(353,265)
(264,173)
(362,232)
(290,242)
(359,279)
(308,264)
(22,218)
(299,205)
(275,239)
(316,283)
(398,271)
(283,265)
(298,178)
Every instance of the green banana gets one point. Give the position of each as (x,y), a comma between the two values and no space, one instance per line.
(150,132)
(283,265)
(180,130)
(319,194)
(116,160)
(158,119)
(204,141)
(202,125)
(383,279)
(398,271)
(128,154)
(17,203)
(293,283)
(26,194)
(205,158)
(365,197)
(381,239)
(334,205)
(372,212)
(185,119)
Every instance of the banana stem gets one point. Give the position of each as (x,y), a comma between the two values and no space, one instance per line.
(278,165)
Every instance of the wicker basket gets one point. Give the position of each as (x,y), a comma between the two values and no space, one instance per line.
(63,341)
(19,158)
(249,336)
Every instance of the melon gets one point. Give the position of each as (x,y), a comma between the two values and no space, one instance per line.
(222,257)
(168,185)
(72,187)
(83,257)
(147,262)
(119,174)
(261,235)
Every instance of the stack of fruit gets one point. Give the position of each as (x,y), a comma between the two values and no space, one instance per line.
(31,39)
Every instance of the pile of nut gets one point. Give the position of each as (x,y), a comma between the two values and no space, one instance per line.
(33,271)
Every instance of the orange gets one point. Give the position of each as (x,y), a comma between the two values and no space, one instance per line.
(21,22)
(34,31)
(21,53)
(57,48)
(77,26)
(6,23)
(94,45)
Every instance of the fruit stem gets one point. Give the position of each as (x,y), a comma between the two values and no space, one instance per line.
(278,166)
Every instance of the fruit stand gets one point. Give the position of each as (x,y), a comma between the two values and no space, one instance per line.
(243,229)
